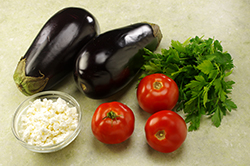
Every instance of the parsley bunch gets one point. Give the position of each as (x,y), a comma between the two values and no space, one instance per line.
(199,67)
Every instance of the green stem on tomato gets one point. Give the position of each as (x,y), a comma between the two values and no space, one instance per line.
(111,115)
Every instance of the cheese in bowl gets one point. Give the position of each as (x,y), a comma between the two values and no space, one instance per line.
(47,121)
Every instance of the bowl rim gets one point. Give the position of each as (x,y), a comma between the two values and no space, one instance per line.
(66,141)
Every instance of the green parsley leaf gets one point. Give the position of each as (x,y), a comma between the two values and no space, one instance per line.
(206,66)
(216,118)
(229,104)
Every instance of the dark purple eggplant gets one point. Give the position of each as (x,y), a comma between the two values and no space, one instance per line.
(110,61)
(53,52)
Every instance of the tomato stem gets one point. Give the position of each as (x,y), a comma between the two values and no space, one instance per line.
(160,135)
(157,85)
(112,115)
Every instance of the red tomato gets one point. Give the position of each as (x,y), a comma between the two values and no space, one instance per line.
(165,131)
(157,92)
(113,123)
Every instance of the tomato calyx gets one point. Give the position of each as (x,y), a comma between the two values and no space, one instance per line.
(111,115)
(157,85)
(160,135)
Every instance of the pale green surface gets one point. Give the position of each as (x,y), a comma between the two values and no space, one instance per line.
(226,20)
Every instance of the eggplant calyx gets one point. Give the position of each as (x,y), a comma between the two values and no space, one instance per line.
(28,85)
(156,31)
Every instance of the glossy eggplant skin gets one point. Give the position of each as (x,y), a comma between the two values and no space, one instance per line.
(53,52)
(110,61)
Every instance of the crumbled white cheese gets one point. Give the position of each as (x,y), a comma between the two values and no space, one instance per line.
(47,122)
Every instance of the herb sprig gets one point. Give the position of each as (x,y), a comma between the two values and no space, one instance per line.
(199,67)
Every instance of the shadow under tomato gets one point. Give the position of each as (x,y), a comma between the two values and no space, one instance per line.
(158,156)
(143,114)
(114,148)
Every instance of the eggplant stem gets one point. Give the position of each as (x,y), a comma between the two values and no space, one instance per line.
(28,85)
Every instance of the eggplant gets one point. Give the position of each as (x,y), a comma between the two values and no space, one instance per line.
(109,62)
(53,52)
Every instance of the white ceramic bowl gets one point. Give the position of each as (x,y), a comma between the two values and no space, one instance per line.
(22,108)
